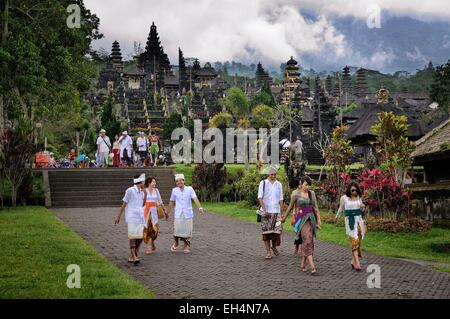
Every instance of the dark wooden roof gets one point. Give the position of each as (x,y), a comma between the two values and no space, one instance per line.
(171,80)
(362,127)
(134,71)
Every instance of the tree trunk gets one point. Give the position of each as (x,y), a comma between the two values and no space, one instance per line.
(13,196)
(2,116)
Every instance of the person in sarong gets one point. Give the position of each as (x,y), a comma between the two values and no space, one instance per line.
(152,201)
(270,196)
(133,206)
(352,206)
(307,220)
(181,198)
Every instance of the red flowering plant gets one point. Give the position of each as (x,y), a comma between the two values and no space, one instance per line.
(383,193)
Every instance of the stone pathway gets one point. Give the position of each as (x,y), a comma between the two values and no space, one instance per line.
(227,261)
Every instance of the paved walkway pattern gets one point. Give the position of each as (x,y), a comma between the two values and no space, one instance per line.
(227,261)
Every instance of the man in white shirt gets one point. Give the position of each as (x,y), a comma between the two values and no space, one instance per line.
(103,148)
(142,144)
(126,145)
(133,205)
(298,148)
(270,196)
(181,198)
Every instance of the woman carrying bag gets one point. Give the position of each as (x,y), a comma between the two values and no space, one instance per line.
(154,210)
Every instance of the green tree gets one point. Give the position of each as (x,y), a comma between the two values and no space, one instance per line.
(392,144)
(262,116)
(440,89)
(109,120)
(222,120)
(173,121)
(263,97)
(236,103)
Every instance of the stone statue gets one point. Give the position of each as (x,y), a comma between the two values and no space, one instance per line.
(383,96)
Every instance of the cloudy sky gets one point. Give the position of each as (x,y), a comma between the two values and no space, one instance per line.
(321,34)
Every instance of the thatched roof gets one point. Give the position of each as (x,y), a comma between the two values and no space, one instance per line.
(360,130)
(434,142)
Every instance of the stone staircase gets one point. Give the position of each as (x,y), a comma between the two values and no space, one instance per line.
(97,187)
(313,155)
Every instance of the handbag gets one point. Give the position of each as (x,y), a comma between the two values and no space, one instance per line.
(160,208)
(260,212)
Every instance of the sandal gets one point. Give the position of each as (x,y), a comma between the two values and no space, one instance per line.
(275,251)
(268,257)
(303,268)
(313,272)
(131,260)
(149,250)
(136,261)
(186,251)
(173,248)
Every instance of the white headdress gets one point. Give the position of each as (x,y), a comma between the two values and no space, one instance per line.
(179,176)
(140,179)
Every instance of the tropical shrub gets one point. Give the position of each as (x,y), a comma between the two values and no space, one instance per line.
(384,194)
(209,179)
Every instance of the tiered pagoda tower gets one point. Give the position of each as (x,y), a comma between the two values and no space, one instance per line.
(291,80)
(261,77)
(182,73)
(337,86)
(346,81)
(154,61)
(329,85)
(116,56)
(361,89)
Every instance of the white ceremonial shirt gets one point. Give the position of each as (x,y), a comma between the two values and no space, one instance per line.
(142,143)
(273,194)
(183,201)
(126,143)
(104,144)
(134,211)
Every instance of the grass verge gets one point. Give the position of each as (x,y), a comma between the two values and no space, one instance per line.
(35,250)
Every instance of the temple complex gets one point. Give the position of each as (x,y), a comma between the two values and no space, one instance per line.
(150,89)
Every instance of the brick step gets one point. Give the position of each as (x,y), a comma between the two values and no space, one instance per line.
(87,204)
(86,196)
(106,190)
(95,199)
(105,179)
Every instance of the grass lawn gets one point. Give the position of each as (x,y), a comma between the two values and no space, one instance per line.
(35,250)
(419,246)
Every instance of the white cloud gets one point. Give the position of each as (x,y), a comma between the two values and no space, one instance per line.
(358,8)
(249,30)
(217,30)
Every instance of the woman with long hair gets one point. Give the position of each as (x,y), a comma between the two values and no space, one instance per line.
(152,201)
(307,219)
(352,206)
